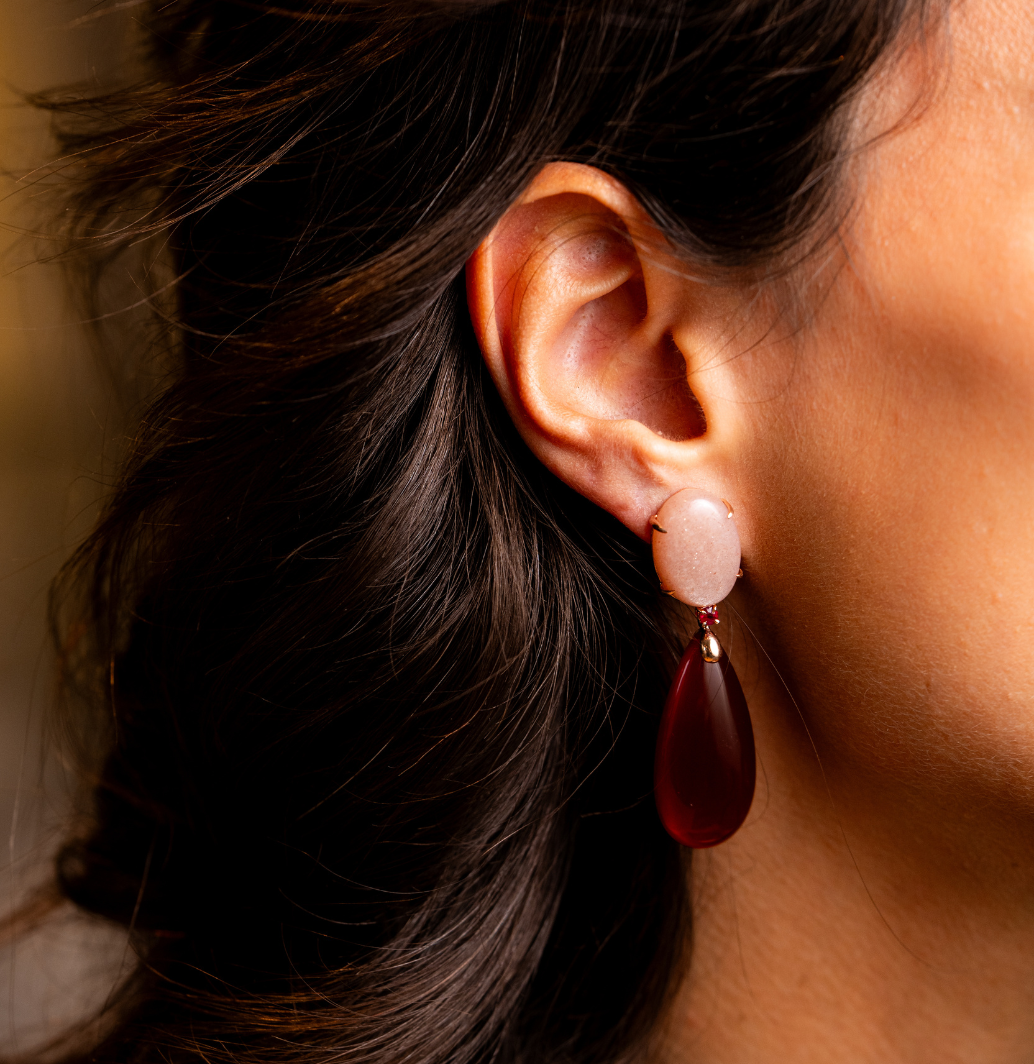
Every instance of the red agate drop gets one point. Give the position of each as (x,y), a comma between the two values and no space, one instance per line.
(704,771)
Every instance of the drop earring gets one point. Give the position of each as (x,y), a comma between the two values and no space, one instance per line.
(704,767)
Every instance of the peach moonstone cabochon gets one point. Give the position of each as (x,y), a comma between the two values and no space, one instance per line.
(698,555)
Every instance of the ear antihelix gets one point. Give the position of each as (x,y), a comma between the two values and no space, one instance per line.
(704,769)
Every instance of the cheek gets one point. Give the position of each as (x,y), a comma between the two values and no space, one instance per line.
(892,543)
(891,539)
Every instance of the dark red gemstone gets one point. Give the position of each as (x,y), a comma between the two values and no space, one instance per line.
(704,772)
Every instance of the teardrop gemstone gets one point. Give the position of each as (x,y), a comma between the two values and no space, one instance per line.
(704,772)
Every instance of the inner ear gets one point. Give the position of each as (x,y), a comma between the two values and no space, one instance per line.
(667,404)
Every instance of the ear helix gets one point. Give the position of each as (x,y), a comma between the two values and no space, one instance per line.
(704,770)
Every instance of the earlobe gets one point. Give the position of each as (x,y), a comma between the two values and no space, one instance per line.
(575,301)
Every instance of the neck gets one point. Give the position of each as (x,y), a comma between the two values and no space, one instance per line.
(851,919)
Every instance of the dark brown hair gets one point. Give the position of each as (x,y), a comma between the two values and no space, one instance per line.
(377,694)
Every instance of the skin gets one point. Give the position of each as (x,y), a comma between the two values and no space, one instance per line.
(878,905)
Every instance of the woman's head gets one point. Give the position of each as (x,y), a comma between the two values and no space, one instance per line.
(371,616)
(869,418)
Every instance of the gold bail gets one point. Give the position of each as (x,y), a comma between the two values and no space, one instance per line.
(710,648)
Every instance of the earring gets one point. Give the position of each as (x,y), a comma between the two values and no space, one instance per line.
(704,768)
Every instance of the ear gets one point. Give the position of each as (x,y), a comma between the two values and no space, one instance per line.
(585,319)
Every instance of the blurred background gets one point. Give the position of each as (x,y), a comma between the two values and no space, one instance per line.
(57,423)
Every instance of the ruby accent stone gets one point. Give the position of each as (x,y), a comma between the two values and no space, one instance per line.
(704,771)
